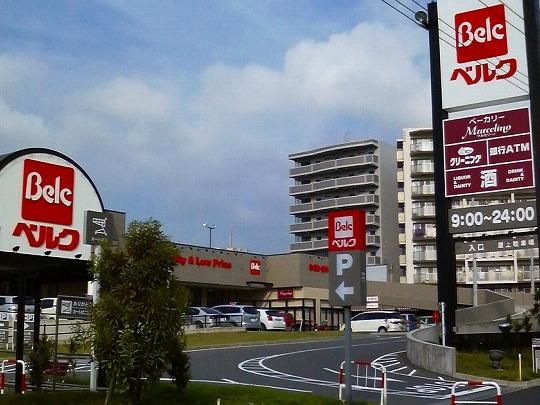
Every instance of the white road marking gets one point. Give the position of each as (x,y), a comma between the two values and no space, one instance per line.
(412,372)
(398,369)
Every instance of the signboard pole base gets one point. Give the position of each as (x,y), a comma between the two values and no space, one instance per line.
(348,344)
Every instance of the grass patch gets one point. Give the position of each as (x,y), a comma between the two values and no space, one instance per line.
(478,363)
(196,394)
(228,338)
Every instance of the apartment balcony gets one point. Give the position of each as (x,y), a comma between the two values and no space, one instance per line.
(402,238)
(309,226)
(427,256)
(490,277)
(423,191)
(424,234)
(373,260)
(401,217)
(400,176)
(423,212)
(426,278)
(402,260)
(422,147)
(399,156)
(309,245)
(373,219)
(373,240)
(332,203)
(361,180)
(364,160)
(423,168)
(401,196)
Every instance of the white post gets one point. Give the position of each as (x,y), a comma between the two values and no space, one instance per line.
(475,281)
(519,356)
(443,325)
(532,270)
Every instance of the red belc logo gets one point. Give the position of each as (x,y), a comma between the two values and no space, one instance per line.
(47,194)
(346,230)
(481,34)
(255,267)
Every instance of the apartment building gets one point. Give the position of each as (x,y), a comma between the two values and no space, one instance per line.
(356,174)
(508,270)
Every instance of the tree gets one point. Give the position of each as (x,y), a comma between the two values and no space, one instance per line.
(136,324)
(39,358)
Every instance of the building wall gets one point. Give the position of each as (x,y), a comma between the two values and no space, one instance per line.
(350,175)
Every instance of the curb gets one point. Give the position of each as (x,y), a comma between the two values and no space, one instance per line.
(502,383)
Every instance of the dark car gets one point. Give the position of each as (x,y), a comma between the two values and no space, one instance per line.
(204,317)
(241,315)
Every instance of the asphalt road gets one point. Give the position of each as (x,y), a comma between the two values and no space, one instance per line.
(314,367)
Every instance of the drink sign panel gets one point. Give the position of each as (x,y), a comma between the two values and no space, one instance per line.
(493,217)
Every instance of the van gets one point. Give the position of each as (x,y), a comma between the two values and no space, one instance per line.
(241,315)
(378,321)
(48,308)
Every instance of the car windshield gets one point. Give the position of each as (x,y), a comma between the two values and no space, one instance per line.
(250,310)
(210,311)
(27,300)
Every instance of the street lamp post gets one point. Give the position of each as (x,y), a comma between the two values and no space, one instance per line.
(210,227)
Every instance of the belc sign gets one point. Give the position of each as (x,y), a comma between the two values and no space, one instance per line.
(483,54)
(346,257)
(44,197)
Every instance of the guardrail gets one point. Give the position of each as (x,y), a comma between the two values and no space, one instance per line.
(372,378)
(498,398)
(3,379)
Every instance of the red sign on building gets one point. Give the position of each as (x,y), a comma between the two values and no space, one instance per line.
(488,152)
(285,293)
(346,230)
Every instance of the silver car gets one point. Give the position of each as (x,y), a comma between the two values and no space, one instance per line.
(9,303)
(241,315)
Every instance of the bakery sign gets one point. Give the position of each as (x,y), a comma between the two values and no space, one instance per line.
(44,197)
(483,53)
(488,153)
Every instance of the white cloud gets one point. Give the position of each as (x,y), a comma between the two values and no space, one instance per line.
(19,130)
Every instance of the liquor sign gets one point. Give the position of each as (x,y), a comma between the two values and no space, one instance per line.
(44,196)
(487,153)
(483,53)
(347,257)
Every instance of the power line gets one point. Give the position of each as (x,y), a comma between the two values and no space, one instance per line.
(526,84)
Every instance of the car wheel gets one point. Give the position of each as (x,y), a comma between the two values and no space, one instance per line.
(263,326)
(382,329)
(199,325)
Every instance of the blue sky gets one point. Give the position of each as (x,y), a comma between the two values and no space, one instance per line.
(186,111)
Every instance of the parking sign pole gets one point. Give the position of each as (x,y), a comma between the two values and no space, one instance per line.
(348,344)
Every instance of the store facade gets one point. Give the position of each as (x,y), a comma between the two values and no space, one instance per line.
(293,282)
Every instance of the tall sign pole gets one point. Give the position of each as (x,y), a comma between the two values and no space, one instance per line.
(446,257)
(532,25)
(347,272)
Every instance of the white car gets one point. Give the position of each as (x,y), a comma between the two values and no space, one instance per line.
(271,319)
(9,303)
(48,308)
(378,321)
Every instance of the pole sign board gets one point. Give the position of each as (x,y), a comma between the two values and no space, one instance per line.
(488,153)
(70,307)
(482,53)
(99,226)
(347,257)
(493,217)
(496,244)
